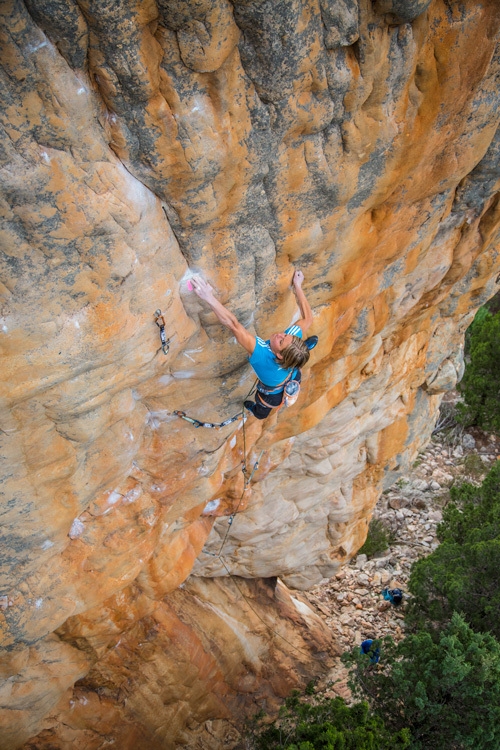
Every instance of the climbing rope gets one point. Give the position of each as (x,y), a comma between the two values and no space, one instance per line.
(218,555)
(216,425)
(231,517)
(198,423)
(271,630)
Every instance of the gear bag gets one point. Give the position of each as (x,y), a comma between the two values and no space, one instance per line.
(291,392)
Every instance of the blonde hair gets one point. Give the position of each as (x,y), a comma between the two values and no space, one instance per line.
(296,354)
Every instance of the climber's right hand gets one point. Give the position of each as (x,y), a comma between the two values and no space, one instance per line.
(202,288)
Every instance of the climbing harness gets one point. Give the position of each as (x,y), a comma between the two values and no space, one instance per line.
(213,425)
(290,387)
(160,322)
(263,389)
(272,391)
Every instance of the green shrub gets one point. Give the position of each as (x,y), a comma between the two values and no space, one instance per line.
(480,386)
(439,687)
(446,691)
(321,723)
(379,538)
(474,466)
(462,573)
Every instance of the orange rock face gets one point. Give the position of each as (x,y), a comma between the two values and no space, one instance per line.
(147,141)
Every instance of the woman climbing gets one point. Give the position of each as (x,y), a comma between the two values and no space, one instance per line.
(275,361)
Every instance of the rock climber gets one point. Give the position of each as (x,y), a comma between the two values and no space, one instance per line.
(394,596)
(275,361)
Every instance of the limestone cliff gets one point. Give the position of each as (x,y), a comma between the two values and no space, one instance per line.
(144,141)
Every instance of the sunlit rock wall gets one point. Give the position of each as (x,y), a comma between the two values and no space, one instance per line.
(146,141)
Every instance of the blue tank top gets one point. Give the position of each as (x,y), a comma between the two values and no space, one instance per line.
(264,361)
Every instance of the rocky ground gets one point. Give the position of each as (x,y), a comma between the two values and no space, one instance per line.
(351,602)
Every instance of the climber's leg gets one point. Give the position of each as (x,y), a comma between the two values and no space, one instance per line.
(257,410)
(261,409)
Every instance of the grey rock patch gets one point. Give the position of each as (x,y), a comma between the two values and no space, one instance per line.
(468,442)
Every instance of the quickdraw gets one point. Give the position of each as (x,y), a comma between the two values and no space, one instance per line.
(160,322)
(255,467)
(213,425)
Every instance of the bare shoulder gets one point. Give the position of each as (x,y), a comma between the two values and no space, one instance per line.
(304,324)
(246,339)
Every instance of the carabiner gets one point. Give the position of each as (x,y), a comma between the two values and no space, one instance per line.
(160,322)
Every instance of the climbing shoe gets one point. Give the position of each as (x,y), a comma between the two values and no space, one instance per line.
(250,406)
(311,342)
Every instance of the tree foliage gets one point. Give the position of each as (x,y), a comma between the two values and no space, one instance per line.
(480,385)
(440,686)
(379,538)
(462,573)
(445,690)
(321,723)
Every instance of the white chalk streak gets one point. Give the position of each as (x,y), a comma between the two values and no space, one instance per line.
(77,529)
(212,505)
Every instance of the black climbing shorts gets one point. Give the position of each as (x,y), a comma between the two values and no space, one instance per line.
(261,411)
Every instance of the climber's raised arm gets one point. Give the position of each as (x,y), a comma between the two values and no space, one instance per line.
(275,361)
(205,292)
(305,309)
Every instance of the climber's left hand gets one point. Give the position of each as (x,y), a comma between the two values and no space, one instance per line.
(298,278)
